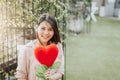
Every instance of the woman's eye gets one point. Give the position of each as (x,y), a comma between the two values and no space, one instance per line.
(43,28)
(50,29)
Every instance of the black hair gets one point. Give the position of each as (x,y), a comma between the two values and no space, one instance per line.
(52,21)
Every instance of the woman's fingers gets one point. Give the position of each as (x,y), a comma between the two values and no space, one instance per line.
(47,74)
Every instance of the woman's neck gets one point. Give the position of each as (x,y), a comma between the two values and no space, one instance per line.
(43,44)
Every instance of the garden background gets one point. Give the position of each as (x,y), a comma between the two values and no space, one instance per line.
(91,48)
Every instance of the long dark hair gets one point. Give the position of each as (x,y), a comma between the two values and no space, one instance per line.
(51,20)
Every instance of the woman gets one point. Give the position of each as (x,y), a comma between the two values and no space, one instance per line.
(46,33)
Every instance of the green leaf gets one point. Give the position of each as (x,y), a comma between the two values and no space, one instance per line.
(42,79)
(44,67)
(40,75)
(39,69)
(55,65)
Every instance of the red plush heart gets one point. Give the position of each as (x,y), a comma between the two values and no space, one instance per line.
(46,55)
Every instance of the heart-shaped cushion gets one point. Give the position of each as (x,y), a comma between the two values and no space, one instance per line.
(46,55)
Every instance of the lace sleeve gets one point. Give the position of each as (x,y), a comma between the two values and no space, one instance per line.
(23,62)
(58,74)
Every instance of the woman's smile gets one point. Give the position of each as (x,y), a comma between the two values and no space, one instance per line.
(45,37)
(45,32)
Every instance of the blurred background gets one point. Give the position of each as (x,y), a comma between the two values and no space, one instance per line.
(89,31)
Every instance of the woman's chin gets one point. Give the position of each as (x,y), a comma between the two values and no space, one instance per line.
(45,40)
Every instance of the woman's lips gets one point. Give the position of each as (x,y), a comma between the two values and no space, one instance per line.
(45,37)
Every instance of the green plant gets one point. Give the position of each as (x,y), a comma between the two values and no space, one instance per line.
(75,11)
(25,13)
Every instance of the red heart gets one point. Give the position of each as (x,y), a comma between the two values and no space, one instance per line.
(46,55)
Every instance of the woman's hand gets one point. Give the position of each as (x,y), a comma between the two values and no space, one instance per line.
(47,74)
(51,74)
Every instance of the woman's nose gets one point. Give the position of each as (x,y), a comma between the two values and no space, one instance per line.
(46,32)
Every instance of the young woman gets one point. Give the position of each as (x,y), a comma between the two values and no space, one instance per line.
(46,33)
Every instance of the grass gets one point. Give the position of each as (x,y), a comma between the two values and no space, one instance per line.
(95,56)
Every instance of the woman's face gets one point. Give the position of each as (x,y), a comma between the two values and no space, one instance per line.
(45,32)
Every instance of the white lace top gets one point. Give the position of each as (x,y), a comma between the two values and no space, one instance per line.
(27,63)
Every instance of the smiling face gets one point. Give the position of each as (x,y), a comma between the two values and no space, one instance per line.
(45,32)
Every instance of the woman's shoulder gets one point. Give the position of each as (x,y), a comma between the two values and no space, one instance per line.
(32,43)
(59,44)
(29,45)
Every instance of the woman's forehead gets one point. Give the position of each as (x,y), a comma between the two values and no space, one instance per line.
(45,24)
